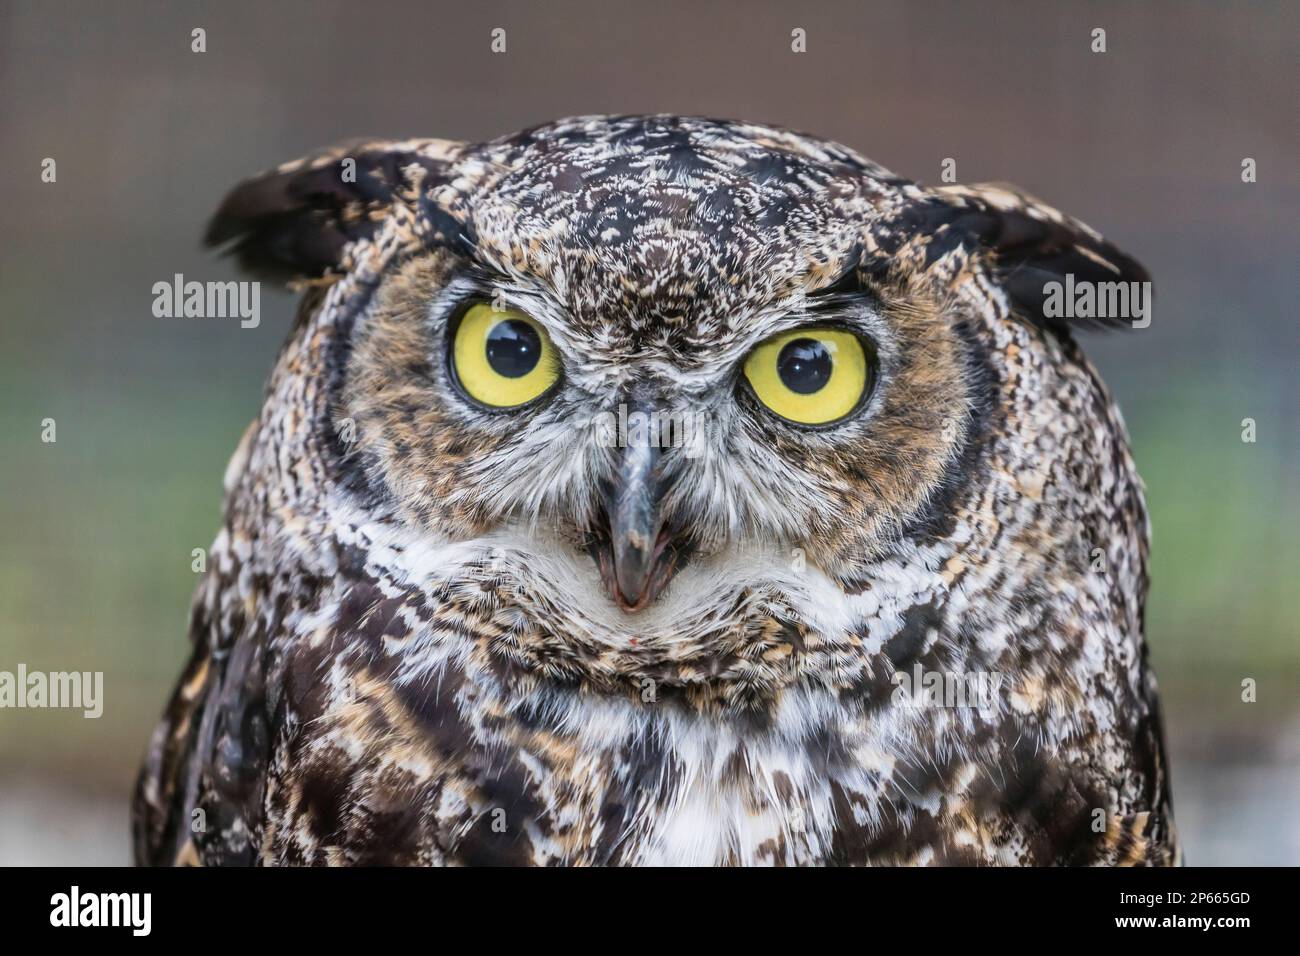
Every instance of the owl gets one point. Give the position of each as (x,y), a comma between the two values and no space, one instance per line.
(653,490)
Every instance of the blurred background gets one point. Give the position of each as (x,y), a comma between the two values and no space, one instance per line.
(1145,142)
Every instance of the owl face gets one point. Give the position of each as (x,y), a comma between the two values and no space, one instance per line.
(656,357)
(660,387)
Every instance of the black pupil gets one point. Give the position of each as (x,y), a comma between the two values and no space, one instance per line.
(804,366)
(513,348)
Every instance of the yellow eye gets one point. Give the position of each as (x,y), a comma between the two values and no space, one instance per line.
(810,376)
(503,358)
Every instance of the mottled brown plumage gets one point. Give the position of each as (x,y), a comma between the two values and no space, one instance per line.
(408,648)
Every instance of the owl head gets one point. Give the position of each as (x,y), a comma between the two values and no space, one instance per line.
(676,383)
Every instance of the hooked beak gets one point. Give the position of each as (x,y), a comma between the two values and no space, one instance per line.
(642,555)
(634,522)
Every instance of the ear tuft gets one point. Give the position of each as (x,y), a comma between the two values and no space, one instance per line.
(1030,245)
(1035,245)
(294,222)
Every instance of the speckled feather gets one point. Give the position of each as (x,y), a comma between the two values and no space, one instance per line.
(403,652)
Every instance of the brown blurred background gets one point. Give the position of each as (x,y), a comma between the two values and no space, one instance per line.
(1144,142)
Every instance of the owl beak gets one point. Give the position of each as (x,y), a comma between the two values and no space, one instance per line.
(635,524)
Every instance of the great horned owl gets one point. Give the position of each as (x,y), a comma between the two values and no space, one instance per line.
(658,490)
